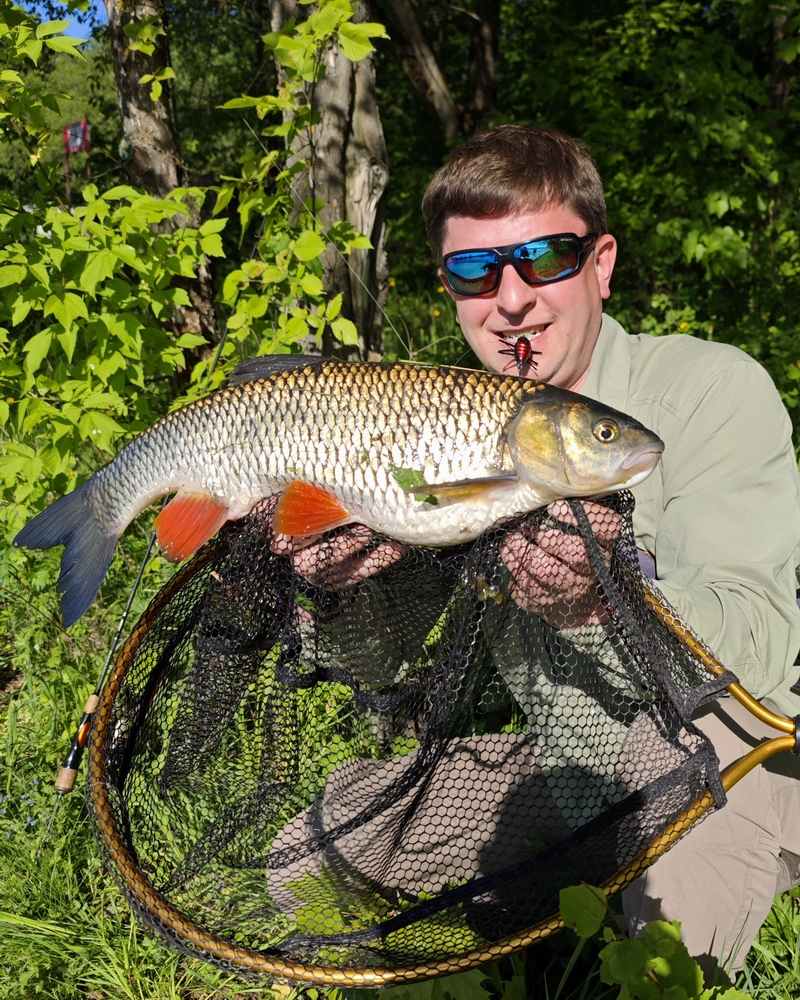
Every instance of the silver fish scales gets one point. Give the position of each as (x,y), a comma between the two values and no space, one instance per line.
(430,456)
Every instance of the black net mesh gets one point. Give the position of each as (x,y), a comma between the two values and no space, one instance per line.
(402,769)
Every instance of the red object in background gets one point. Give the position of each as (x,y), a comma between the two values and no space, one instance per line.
(77,139)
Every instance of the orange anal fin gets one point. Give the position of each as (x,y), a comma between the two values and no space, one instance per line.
(188,520)
(305,510)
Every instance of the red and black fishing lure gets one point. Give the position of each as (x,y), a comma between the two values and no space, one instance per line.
(521,352)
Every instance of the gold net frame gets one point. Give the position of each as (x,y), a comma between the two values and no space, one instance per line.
(176,925)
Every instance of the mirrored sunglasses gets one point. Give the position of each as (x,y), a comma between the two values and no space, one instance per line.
(537,262)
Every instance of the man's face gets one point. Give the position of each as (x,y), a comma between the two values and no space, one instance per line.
(561,320)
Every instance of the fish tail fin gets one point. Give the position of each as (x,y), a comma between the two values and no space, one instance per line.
(73,523)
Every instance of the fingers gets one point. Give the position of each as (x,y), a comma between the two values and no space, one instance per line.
(605,522)
(340,560)
(551,572)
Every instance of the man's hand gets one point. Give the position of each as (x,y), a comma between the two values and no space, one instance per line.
(341,560)
(551,573)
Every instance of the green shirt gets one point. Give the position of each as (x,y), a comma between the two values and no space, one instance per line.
(721,511)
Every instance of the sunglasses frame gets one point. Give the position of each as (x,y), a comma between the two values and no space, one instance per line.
(505,255)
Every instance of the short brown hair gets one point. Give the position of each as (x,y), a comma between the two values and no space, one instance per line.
(510,167)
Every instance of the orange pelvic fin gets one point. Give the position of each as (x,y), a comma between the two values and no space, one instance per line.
(304,509)
(188,520)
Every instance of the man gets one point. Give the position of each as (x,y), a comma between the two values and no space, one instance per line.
(720,516)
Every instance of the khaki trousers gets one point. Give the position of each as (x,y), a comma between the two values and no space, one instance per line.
(721,878)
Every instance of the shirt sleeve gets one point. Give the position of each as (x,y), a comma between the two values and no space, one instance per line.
(727,540)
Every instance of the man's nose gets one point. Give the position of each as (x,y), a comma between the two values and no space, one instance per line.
(514,296)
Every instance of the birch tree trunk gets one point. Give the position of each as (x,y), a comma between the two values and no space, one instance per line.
(149,147)
(346,153)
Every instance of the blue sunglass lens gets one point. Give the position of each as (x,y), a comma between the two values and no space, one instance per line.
(472,273)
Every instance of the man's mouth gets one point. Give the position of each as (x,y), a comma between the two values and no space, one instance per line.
(531,332)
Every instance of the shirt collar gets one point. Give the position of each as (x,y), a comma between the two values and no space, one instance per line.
(609,370)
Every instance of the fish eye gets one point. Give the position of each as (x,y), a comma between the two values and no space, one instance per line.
(605,430)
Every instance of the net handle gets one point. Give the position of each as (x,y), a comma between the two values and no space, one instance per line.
(703,654)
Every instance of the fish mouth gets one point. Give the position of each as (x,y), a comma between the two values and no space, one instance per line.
(641,462)
(645,455)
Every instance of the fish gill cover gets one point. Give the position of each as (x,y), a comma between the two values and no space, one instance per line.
(360,785)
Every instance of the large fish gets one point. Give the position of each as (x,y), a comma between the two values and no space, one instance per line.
(431,456)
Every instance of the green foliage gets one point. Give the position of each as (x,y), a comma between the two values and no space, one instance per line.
(651,967)
(91,300)
(88,298)
(278,298)
(22,107)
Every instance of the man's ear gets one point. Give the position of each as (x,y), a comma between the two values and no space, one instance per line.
(605,256)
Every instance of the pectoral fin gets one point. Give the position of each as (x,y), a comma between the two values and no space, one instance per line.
(469,491)
(305,509)
(188,520)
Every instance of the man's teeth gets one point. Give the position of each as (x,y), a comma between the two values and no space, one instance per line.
(531,333)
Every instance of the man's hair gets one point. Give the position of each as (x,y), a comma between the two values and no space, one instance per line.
(512,168)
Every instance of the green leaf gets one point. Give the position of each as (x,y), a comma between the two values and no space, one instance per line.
(406,479)
(66,307)
(190,340)
(155,90)
(309,245)
(583,908)
(672,964)
(12,274)
(36,349)
(51,28)
(212,245)
(240,102)
(312,285)
(624,961)
(212,226)
(99,266)
(68,339)
(355,39)
(465,986)
(360,242)
(64,44)
(345,331)
(334,307)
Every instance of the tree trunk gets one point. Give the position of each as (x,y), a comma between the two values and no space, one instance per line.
(483,64)
(423,68)
(780,70)
(150,141)
(346,152)
(419,62)
(153,161)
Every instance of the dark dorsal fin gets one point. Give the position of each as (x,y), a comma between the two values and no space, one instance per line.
(271,364)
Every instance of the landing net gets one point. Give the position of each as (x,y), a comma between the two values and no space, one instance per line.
(391,780)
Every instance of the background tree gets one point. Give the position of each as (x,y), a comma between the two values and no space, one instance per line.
(347,176)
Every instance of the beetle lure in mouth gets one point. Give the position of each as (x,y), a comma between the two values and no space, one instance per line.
(521,352)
